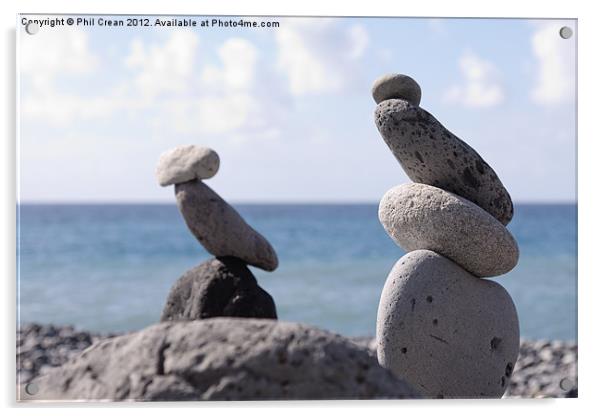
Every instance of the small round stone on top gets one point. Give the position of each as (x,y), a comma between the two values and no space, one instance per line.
(396,86)
(186,163)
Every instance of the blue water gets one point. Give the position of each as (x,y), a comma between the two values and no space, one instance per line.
(110,267)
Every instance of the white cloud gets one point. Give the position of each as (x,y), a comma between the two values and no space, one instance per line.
(224,113)
(165,81)
(159,68)
(555,57)
(44,60)
(316,54)
(50,53)
(480,87)
(240,96)
(228,102)
(359,39)
(62,108)
(164,67)
(238,57)
(233,97)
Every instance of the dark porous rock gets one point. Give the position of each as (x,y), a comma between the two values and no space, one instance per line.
(219,287)
(220,229)
(432,155)
(223,359)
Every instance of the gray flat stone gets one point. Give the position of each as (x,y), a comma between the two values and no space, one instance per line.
(430,154)
(220,229)
(396,86)
(447,333)
(218,287)
(223,359)
(185,163)
(419,216)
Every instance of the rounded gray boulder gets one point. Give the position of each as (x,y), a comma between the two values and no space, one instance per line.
(218,287)
(223,359)
(396,86)
(220,229)
(430,154)
(447,333)
(419,216)
(185,163)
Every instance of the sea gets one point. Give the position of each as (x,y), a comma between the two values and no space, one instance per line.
(109,267)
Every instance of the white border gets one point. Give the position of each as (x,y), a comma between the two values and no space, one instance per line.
(589,72)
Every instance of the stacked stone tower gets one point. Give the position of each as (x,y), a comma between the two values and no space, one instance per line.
(440,325)
(222,286)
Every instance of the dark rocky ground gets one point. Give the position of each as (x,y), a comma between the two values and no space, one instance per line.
(41,347)
(544,368)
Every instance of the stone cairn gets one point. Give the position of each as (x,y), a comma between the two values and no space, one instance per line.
(222,286)
(440,326)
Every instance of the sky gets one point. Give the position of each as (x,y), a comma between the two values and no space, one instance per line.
(289,109)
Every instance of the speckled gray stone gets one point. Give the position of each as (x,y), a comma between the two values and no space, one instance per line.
(218,287)
(396,86)
(447,333)
(185,163)
(432,155)
(220,229)
(419,216)
(223,359)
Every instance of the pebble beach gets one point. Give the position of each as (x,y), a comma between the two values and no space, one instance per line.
(545,369)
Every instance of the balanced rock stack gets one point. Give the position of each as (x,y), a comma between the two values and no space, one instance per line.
(441,326)
(222,286)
